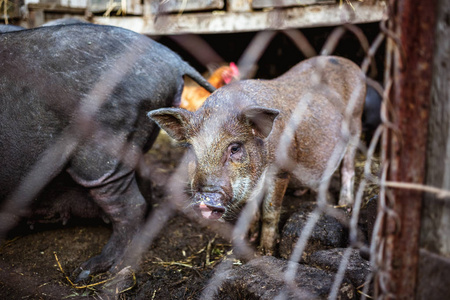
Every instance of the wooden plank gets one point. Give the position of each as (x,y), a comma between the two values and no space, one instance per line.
(134,7)
(239,5)
(36,17)
(100,6)
(74,3)
(435,229)
(287,3)
(295,17)
(178,6)
(433,276)
(435,232)
(129,7)
(52,7)
(65,3)
(405,146)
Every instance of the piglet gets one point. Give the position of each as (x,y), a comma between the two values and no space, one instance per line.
(300,124)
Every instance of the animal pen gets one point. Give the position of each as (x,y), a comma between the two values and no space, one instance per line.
(403,182)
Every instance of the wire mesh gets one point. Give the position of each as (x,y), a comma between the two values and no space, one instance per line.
(244,250)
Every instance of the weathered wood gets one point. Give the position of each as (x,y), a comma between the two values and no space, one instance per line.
(56,8)
(239,5)
(36,18)
(287,3)
(75,3)
(66,3)
(134,7)
(179,6)
(295,17)
(435,231)
(413,23)
(128,7)
(99,6)
(37,13)
(434,268)
(434,276)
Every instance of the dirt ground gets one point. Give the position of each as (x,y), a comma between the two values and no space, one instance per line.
(34,264)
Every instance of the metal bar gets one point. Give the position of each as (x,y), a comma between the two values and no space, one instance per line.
(413,23)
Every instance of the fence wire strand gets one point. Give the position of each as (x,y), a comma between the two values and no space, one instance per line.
(177,200)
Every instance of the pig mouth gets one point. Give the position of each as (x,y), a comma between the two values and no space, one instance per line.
(210,212)
(209,205)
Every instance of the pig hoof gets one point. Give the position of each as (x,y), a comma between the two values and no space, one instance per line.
(82,276)
(98,264)
(124,280)
(345,197)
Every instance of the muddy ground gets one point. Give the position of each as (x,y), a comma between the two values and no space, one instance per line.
(178,264)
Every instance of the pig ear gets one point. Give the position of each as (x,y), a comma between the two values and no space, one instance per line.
(173,120)
(261,119)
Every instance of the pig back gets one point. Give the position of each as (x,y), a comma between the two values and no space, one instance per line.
(316,96)
(312,99)
(46,73)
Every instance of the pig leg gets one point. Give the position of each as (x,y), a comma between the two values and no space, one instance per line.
(271,213)
(347,179)
(254,230)
(125,207)
(113,187)
(346,197)
(126,212)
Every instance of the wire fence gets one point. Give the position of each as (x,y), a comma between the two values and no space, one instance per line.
(377,283)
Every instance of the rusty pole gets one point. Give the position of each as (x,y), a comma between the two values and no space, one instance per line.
(413,24)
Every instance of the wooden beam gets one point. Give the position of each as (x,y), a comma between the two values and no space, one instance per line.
(414,25)
(227,22)
(286,3)
(56,8)
(177,6)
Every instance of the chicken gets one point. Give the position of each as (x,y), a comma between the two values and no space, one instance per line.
(194,96)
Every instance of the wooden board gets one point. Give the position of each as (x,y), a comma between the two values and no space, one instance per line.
(226,22)
(287,3)
(179,6)
(128,7)
(239,5)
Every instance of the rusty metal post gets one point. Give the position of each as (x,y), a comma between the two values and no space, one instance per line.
(413,24)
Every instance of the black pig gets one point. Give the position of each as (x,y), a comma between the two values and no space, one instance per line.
(9,28)
(371,117)
(47,76)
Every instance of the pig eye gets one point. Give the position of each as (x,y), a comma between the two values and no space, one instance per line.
(235,148)
(235,152)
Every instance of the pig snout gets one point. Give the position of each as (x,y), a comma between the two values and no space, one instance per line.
(209,205)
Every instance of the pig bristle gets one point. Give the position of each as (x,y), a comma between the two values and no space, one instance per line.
(233,211)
